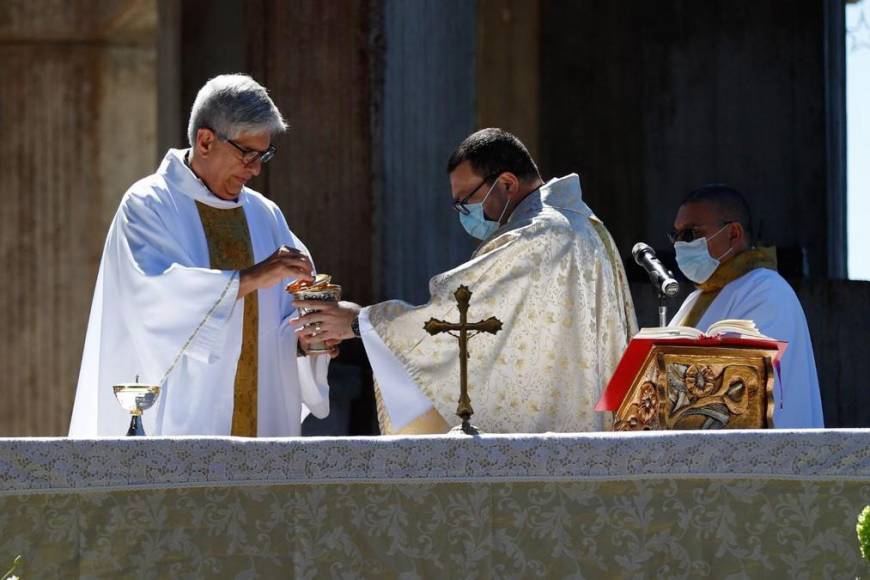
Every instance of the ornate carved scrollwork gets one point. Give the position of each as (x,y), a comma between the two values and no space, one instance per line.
(699,388)
(643,413)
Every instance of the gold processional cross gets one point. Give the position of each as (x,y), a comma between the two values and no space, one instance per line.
(491,325)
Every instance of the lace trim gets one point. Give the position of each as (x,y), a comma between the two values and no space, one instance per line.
(63,464)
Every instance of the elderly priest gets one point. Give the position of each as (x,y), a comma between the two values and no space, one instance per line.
(546,267)
(190,295)
(712,240)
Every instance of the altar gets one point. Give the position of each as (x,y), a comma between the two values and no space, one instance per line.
(606,505)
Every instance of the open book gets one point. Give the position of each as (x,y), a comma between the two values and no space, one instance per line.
(722,334)
(740,328)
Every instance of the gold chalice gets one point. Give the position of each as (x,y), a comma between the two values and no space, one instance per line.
(320,289)
(135,398)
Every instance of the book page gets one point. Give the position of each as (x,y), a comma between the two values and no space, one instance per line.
(669,332)
(739,327)
(733,327)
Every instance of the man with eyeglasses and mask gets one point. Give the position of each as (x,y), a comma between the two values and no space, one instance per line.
(735,280)
(190,292)
(546,267)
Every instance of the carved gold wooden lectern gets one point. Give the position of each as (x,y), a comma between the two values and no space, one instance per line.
(707,383)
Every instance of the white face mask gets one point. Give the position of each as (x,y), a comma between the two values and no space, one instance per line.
(694,258)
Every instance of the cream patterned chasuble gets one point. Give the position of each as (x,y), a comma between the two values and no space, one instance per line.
(553,276)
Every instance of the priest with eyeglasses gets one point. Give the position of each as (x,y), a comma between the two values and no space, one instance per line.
(734,279)
(546,267)
(190,291)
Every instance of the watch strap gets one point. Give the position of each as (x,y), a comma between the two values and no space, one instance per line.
(354,326)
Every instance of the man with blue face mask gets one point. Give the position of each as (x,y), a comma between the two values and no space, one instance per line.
(712,241)
(546,267)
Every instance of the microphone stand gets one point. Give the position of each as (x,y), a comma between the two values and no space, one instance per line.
(663,309)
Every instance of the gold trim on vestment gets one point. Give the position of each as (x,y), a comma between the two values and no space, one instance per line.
(726,273)
(229,248)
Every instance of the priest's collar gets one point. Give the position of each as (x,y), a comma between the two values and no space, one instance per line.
(565,193)
(180,177)
(562,193)
(528,206)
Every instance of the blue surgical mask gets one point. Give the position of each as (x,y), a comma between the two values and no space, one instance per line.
(694,258)
(475,222)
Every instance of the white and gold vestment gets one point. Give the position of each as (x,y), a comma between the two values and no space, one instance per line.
(553,276)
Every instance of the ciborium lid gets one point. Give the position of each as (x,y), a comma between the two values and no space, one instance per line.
(321,281)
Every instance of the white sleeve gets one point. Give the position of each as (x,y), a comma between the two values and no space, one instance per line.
(165,301)
(401,397)
(149,303)
(312,372)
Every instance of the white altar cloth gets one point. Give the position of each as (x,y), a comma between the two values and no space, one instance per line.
(60,464)
(607,505)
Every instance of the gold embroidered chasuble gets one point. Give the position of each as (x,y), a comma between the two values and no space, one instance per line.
(552,275)
(727,272)
(229,248)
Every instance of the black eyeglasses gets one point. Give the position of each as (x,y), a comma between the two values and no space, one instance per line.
(691,234)
(250,156)
(460,205)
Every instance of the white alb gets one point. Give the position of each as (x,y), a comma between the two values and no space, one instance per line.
(153,291)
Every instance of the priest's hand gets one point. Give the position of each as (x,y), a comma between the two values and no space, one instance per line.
(329,321)
(284,263)
(305,341)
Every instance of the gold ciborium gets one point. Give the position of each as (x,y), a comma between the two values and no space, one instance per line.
(320,289)
(135,398)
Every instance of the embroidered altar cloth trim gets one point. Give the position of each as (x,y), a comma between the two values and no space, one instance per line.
(40,465)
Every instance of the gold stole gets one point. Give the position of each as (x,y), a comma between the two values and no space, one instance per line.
(726,273)
(229,248)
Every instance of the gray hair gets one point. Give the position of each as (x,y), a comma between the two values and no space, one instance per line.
(231,105)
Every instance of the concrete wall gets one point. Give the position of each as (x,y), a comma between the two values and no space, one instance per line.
(77,112)
(508,63)
(838,315)
(428,108)
(314,60)
(648,100)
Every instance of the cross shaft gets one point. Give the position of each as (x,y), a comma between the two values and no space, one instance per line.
(491,325)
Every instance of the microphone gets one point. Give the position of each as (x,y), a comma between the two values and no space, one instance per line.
(663,281)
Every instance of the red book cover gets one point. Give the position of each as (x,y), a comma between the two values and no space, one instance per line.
(639,348)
